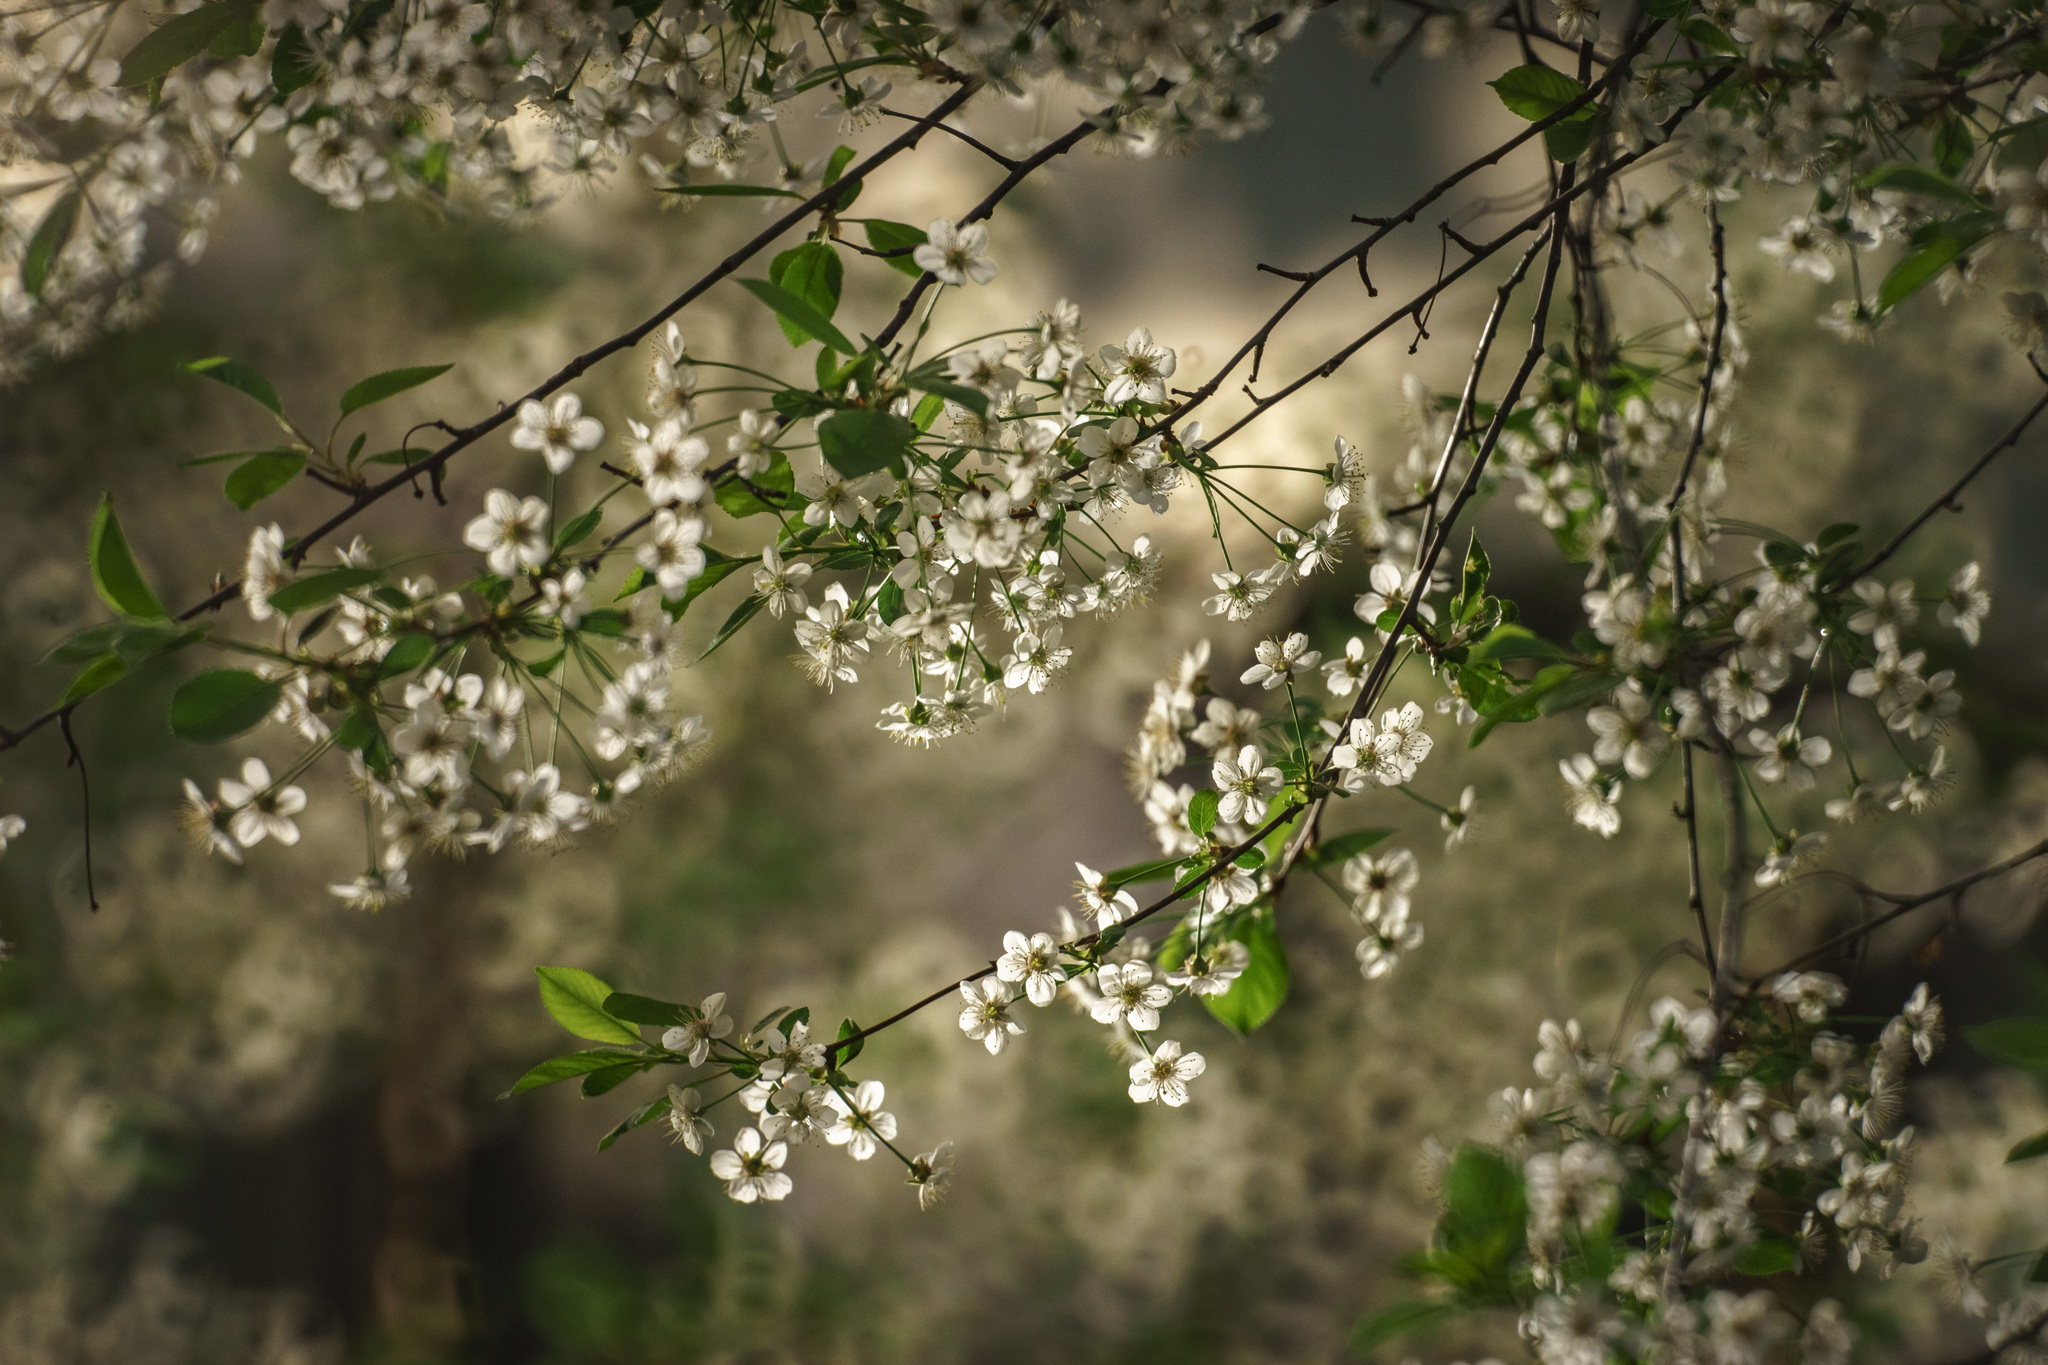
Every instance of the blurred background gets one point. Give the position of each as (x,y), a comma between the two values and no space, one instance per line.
(240,1123)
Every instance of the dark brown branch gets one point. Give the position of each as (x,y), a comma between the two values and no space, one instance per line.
(1699,424)
(77,760)
(465,437)
(1903,905)
(1948,498)
(1387,225)
(1018,173)
(1008,163)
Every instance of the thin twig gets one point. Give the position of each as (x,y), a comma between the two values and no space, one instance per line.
(77,760)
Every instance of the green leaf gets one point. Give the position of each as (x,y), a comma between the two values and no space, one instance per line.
(862,440)
(739,498)
(176,42)
(292,66)
(358,732)
(101,672)
(886,236)
(1667,9)
(319,588)
(413,649)
(715,572)
(50,236)
(1709,36)
(741,614)
(221,703)
(813,273)
(1953,145)
(842,157)
(636,581)
(1478,569)
(1769,1254)
(2027,1150)
(889,602)
(243,37)
(1576,692)
(237,375)
(1159,869)
(577,531)
(1566,141)
(2039,1274)
(576,999)
(261,475)
(645,1114)
(936,378)
(1485,1210)
(730,192)
(1398,1320)
(641,1009)
(1202,811)
(598,1082)
(114,571)
(1256,994)
(562,1068)
(927,411)
(849,1029)
(1910,275)
(799,311)
(134,641)
(1916,180)
(2016,1042)
(1344,847)
(390,383)
(1514,642)
(1537,92)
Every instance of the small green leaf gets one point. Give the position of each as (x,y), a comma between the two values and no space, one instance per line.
(715,572)
(1344,847)
(1258,991)
(849,1029)
(637,581)
(641,1009)
(2027,1150)
(730,192)
(49,238)
(1567,140)
(413,649)
(577,531)
(114,571)
(1953,145)
(889,602)
(176,42)
(935,379)
(645,1114)
(1537,92)
(237,375)
(1202,811)
(1514,642)
(221,703)
(1667,9)
(2016,1042)
(1910,275)
(1398,1320)
(800,312)
(2039,1274)
(261,475)
(862,440)
(101,672)
(813,273)
(1159,869)
(243,37)
(320,588)
(886,236)
(562,1068)
(390,383)
(742,497)
(292,65)
(1769,1254)
(134,641)
(576,999)
(612,1077)
(1917,180)
(741,614)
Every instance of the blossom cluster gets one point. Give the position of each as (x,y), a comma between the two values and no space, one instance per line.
(509,104)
